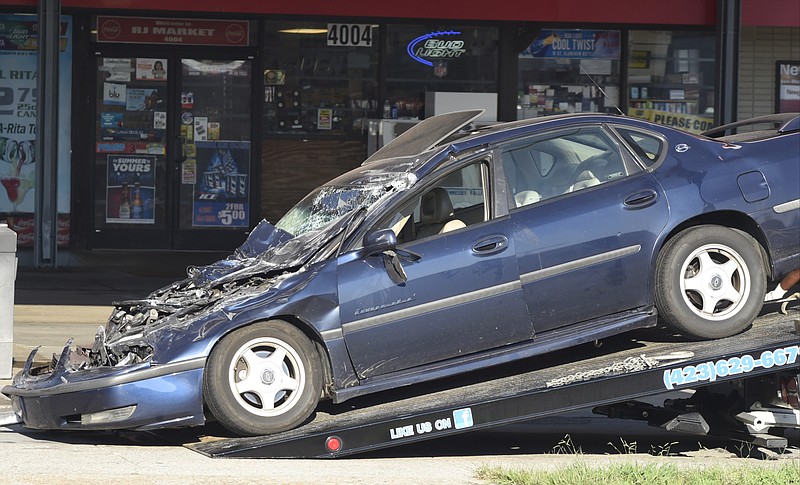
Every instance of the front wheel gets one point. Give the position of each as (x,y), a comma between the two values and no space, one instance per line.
(263,379)
(710,282)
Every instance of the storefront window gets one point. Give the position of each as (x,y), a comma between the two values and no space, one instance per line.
(671,78)
(319,78)
(568,71)
(422,59)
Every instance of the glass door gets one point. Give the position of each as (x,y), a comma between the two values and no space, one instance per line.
(172,163)
(214,164)
(131,203)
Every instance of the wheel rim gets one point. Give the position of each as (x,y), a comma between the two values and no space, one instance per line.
(266,376)
(715,282)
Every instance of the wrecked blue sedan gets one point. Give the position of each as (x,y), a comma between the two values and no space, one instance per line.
(449,250)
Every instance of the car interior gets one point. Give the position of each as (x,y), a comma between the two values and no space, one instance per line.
(558,166)
(454,202)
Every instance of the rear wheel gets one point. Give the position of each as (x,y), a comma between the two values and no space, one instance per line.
(710,281)
(263,379)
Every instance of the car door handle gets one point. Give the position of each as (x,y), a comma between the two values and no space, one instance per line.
(490,245)
(641,199)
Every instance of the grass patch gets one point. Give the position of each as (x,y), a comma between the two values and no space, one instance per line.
(651,474)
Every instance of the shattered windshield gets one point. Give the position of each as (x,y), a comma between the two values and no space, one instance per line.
(328,203)
(325,205)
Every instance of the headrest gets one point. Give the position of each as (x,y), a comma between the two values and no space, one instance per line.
(436,206)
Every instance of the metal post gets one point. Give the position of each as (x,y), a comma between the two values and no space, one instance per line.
(46,210)
(728,29)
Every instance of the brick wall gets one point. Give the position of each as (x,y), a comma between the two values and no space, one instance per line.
(760,47)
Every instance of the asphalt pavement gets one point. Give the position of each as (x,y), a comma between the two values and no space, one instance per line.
(54,306)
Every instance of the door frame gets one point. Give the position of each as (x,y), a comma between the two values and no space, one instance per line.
(171,236)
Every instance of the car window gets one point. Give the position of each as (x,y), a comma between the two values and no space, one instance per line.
(452,202)
(649,148)
(560,163)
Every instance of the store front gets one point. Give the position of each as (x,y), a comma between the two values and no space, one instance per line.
(204,122)
(664,76)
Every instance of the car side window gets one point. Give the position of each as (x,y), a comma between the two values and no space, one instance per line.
(560,163)
(649,148)
(454,201)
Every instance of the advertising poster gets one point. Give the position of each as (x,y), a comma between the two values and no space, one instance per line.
(18,78)
(116,70)
(115,94)
(787,96)
(324,119)
(221,194)
(130,189)
(151,69)
(575,44)
(141,99)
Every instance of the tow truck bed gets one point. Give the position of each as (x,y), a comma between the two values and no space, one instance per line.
(624,368)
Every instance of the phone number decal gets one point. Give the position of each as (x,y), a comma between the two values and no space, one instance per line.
(709,371)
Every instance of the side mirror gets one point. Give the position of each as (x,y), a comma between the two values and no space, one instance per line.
(379,241)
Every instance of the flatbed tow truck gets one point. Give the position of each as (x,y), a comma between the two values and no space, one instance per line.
(745,388)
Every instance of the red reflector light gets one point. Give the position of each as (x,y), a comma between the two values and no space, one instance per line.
(333,444)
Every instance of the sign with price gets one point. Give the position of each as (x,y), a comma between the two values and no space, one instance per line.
(350,35)
(221,191)
(18,101)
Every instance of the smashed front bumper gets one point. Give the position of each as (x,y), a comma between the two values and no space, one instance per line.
(136,396)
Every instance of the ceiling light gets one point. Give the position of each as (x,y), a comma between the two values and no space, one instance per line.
(303,31)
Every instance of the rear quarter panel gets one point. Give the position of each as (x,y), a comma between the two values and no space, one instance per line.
(703,179)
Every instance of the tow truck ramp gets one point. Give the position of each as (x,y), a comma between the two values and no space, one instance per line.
(609,379)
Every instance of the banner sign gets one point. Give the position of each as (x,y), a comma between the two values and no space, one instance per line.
(787,91)
(687,122)
(18,103)
(221,194)
(143,30)
(575,44)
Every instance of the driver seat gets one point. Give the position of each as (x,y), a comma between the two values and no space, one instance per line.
(436,214)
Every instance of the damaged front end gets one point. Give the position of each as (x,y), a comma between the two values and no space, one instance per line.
(144,368)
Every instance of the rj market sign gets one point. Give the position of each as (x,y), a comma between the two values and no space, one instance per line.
(142,30)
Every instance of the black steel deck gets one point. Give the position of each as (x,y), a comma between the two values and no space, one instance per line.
(627,367)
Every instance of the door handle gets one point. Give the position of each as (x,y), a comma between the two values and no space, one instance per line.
(180,149)
(490,245)
(640,200)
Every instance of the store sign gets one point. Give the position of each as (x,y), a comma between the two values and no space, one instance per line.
(350,35)
(575,44)
(787,94)
(434,46)
(141,30)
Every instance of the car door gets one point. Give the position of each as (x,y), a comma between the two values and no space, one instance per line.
(585,243)
(462,295)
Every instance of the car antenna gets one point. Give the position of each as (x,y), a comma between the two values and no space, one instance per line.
(601,90)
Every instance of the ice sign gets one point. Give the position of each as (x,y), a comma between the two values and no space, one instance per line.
(462,418)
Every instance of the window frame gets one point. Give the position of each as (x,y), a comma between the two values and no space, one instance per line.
(433,178)
(642,160)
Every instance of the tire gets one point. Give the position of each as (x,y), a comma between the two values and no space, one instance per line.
(710,282)
(262,379)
